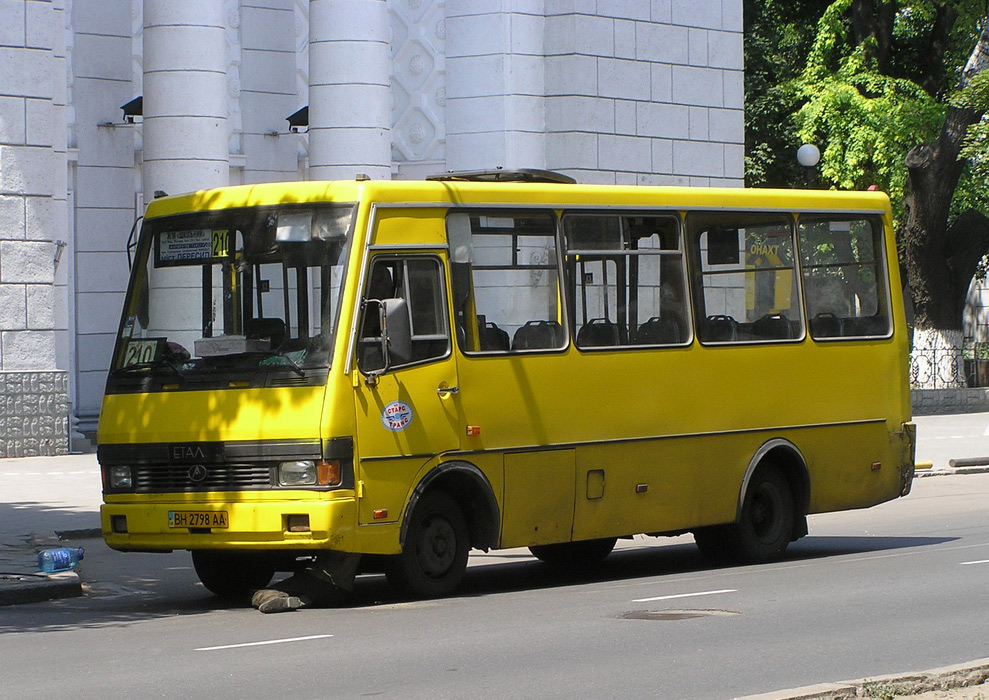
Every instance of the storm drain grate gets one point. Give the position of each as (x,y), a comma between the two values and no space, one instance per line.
(675,614)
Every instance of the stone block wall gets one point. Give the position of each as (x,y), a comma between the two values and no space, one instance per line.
(642,92)
(645,92)
(33,228)
(930,402)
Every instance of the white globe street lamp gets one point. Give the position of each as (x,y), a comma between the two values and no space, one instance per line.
(808,156)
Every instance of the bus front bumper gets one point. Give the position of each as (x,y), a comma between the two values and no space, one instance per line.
(166,525)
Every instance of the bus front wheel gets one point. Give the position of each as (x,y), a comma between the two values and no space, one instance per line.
(434,556)
(583,553)
(764,528)
(231,574)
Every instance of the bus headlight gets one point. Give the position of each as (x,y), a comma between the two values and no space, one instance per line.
(120,478)
(298,473)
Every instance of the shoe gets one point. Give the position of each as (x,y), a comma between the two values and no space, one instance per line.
(280,603)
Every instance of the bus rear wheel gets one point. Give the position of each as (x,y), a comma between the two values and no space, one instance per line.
(434,556)
(764,529)
(232,574)
(583,553)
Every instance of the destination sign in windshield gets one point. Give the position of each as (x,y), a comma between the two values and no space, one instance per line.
(188,247)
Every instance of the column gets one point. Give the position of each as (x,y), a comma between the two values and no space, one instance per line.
(349,89)
(185,96)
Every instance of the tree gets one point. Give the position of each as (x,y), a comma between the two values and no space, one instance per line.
(888,90)
(778,36)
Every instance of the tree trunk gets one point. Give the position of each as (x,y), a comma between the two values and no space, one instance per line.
(873,19)
(940,262)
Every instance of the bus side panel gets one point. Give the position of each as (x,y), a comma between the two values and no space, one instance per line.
(539,498)
(657,486)
(852,466)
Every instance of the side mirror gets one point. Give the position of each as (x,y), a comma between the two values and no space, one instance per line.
(388,334)
(396,332)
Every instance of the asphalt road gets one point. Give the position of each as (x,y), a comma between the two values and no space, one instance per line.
(897,588)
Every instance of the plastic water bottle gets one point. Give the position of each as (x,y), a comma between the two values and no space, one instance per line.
(61,559)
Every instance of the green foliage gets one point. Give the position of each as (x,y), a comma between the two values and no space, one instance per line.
(880,691)
(808,81)
(778,36)
(866,122)
(972,192)
(866,107)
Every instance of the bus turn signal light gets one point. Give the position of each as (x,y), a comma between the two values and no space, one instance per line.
(328,471)
(380,514)
(473,430)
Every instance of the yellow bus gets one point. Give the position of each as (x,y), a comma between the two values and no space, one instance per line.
(406,370)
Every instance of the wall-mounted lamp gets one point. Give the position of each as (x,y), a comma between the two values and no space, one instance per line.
(298,122)
(133,113)
(133,109)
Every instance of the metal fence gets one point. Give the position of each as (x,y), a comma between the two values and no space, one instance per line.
(950,368)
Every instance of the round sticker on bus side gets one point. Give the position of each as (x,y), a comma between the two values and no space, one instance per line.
(397,416)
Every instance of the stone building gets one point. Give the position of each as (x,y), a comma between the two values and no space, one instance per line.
(608,91)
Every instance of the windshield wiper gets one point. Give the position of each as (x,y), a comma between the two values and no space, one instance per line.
(153,364)
(278,354)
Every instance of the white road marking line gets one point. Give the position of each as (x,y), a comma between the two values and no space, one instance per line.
(270,641)
(685,595)
(980,561)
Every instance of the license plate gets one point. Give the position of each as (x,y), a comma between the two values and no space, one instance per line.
(198,518)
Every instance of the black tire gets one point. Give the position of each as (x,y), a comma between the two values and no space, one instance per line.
(766,525)
(763,530)
(574,554)
(434,556)
(232,574)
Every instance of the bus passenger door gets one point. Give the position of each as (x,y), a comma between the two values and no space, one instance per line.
(408,413)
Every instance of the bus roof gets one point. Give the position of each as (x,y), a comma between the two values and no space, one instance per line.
(457,192)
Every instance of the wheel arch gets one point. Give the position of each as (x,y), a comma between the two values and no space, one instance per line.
(470,488)
(788,458)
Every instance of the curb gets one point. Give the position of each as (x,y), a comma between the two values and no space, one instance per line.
(921,473)
(21,582)
(944,678)
(16,589)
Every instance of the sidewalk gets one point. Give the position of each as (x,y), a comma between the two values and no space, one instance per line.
(39,498)
(969,681)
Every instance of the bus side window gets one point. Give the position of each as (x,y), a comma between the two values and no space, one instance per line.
(417,280)
(504,271)
(842,267)
(744,277)
(625,279)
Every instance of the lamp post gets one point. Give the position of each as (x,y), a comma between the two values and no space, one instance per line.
(809,156)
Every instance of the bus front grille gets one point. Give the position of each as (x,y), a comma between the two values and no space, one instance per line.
(162,478)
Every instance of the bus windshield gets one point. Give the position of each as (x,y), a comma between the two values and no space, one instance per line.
(234,294)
